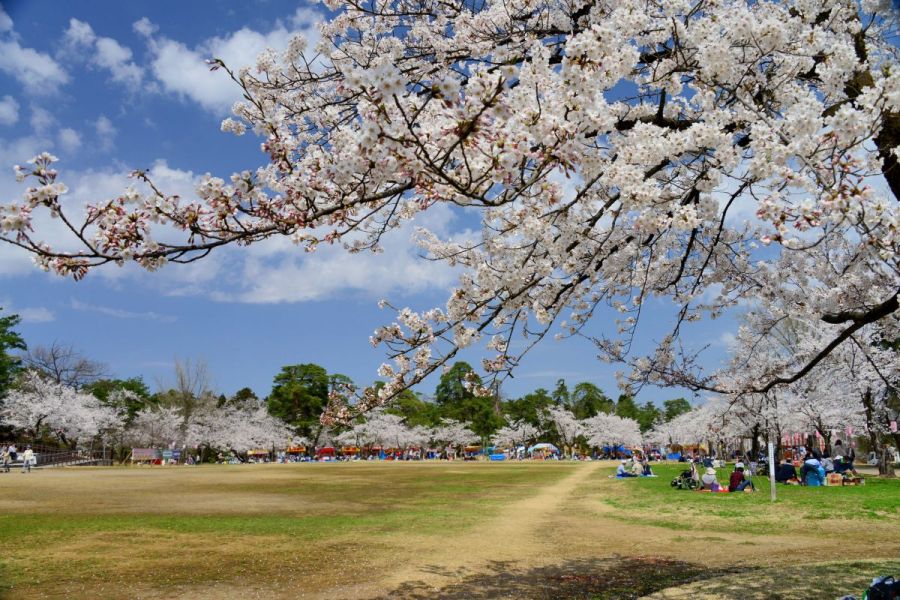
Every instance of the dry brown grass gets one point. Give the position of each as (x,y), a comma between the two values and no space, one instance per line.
(365,530)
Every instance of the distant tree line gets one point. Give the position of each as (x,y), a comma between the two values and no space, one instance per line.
(301,392)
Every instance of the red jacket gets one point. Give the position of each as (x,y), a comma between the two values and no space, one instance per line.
(737,478)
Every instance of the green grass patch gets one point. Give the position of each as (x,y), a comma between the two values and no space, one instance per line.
(795,507)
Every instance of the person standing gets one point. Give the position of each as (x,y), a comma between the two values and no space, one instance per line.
(6,460)
(27,458)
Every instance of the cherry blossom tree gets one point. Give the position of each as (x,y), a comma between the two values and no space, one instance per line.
(385,429)
(850,389)
(156,427)
(39,406)
(237,430)
(564,424)
(611,430)
(611,149)
(453,434)
(516,434)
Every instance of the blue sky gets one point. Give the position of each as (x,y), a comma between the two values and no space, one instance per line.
(113,86)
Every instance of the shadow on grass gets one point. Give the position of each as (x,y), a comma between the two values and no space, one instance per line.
(796,582)
(594,579)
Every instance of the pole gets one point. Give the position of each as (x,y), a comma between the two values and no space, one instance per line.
(772,469)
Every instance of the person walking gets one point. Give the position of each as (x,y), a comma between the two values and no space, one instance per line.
(27,458)
(6,459)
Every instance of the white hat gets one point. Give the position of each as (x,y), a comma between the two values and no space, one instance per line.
(710,471)
(739,465)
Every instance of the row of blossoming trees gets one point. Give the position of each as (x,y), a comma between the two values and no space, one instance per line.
(388,430)
(716,153)
(38,407)
(850,394)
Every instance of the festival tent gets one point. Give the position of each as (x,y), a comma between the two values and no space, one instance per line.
(621,450)
(326,453)
(543,447)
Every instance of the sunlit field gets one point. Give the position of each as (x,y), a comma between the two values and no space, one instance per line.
(421,530)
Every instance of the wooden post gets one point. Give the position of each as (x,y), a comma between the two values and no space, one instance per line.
(772,469)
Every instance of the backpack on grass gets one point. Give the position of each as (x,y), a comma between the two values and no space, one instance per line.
(883,588)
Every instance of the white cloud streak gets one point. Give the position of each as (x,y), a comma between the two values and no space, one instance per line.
(118,313)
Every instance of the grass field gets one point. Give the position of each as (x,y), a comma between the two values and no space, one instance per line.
(450,530)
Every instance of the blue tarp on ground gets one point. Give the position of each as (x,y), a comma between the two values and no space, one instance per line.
(619,449)
(498,457)
(673,456)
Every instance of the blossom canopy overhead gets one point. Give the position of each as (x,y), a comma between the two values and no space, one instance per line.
(711,151)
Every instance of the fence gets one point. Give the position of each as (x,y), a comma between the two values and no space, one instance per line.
(49,456)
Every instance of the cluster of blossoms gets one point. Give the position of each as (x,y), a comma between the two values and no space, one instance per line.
(598,431)
(39,405)
(610,148)
(390,431)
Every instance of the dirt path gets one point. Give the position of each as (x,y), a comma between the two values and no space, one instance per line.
(515,536)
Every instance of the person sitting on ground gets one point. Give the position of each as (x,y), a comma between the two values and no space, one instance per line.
(709,480)
(848,455)
(828,463)
(841,466)
(812,474)
(622,471)
(635,467)
(740,479)
(785,473)
(647,471)
(737,477)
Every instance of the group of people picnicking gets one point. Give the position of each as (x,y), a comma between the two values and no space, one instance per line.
(702,476)
(10,454)
(634,467)
(811,467)
(817,468)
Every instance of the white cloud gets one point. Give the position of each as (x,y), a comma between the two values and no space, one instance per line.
(118,313)
(728,340)
(103,52)
(274,271)
(79,35)
(117,59)
(277,271)
(37,314)
(38,73)
(145,27)
(41,120)
(183,71)
(9,111)
(69,140)
(106,132)
(6,23)
(29,314)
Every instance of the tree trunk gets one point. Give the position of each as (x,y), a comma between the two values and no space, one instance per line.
(885,464)
(754,444)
